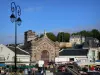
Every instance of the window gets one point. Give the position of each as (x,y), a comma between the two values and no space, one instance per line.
(71,59)
(13,58)
(70,66)
(93,53)
(99,55)
(2,58)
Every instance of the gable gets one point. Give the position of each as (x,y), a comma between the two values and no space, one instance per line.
(5,50)
(6,53)
(42,41)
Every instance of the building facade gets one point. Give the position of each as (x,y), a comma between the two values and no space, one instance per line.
(44,49)
(65,45)
(76,39)
(77,55)
(7,54)
(94,54)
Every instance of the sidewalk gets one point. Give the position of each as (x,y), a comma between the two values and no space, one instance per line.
(49,73)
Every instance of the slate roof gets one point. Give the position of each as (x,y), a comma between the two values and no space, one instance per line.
(98,44)
(18,51)
(78,46)
(90,42)
(74,52)
(86,45)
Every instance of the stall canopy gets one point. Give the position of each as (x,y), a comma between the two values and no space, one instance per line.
(2,65)
(97,60)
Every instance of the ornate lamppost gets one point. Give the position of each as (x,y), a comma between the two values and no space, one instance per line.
(15,18)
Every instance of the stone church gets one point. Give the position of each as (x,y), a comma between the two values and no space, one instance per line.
(41,48)
(45,49)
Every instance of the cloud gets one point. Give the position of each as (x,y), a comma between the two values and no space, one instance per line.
(33,9)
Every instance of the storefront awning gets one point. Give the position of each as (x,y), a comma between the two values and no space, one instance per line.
(97,61)
(2,65)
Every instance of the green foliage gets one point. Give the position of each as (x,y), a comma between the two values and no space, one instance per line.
(85,33)
(66,37)
(41,35)
(60,36)
(63,37)
(51,36)
(93,33)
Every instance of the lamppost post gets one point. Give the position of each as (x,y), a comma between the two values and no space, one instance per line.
(15,18)
(30,57)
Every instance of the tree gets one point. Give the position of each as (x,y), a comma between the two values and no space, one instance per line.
(63,37)
(96,34)
(66,37)
(93,33)
(51,36)
(60,37)
(85,33)
(41,35)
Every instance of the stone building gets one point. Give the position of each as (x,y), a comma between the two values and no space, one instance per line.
(76,39)
(28,36)
(43,48)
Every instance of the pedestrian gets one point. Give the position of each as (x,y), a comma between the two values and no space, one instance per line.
(92,68)
(26,71)
(7,73)
(42,72)
(29,71)
(0,71)
(33,71)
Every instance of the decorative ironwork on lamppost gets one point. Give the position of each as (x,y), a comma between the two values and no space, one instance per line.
(15,18)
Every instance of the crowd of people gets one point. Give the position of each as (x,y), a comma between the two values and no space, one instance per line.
(90,68)
(18,71)
(51,67)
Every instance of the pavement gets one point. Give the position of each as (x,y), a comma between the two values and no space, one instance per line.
(63,73)
(93,73)
(49,73)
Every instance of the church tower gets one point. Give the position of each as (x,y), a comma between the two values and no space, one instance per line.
(29,36)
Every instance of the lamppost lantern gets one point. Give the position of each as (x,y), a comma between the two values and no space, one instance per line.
(12,18)
(19,21)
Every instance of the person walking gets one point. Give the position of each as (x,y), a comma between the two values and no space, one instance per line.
(26,71)
(29,71)
(0,71)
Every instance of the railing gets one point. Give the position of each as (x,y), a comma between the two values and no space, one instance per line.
(72,71)
(75,72)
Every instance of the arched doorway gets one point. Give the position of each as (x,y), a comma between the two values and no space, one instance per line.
(45,56)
